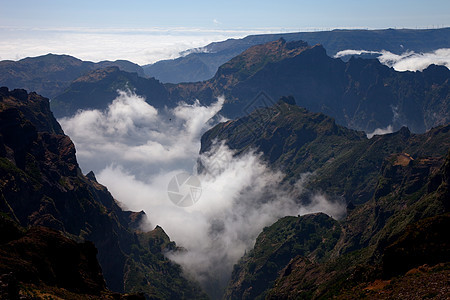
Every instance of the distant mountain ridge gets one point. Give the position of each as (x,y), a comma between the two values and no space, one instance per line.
(50,74)
(199,66)
(361,94)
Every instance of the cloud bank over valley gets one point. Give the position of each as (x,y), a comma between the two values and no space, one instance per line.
(135,150)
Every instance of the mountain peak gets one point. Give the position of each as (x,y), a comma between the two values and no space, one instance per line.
(287,99)
(91,176)
(255,58)
(34,107)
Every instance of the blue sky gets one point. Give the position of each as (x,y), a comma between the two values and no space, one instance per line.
(228,14)
(147,31)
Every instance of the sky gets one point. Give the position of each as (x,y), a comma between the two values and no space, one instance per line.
(226,14)
(147,31)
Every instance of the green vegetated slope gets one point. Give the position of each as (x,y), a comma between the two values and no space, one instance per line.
(42,185)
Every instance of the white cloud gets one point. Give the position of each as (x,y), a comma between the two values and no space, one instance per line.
(132,132)
(348,52)
(381,131)
(407,61)
(136,150)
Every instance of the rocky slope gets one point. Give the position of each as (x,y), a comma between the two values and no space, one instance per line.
(397,190)
(51,74)
(204,62)
(42,185)
(361,94)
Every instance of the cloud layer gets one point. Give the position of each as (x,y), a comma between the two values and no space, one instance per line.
(136,150)
(408,61)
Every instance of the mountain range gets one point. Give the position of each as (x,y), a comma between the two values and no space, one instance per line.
(202,63)
(360,94)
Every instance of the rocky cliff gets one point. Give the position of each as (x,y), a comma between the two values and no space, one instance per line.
(42,185)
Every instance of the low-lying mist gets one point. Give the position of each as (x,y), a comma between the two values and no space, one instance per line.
(136,150)
(407,61)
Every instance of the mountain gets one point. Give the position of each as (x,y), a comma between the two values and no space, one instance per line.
(360,94)
(297,141)
(51,74)
(202,63)
(42,185)
(396,187)
(98,88)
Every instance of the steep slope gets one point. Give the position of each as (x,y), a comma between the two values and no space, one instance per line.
(204,62)
(361,94)
(297,141)
(98,88)
(50,74)
(311,236)
(408,246)
(41,184)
